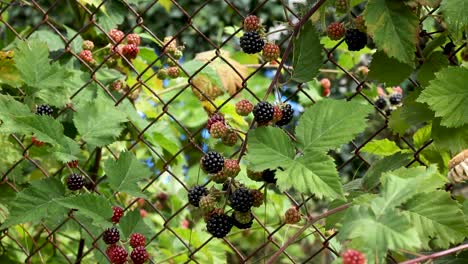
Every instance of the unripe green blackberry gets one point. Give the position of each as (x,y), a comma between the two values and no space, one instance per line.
(342,6)
(177,54)
(242,220)
(257,197)
(292,216)
(207,203)
(251,23)
(230,139)
(218,130)
(231,168)
(255,176)
(162,74)
(87,45)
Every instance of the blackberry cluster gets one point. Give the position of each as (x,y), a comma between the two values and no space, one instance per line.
(355,39)
(263,112)
(75,182)
(287,115)
(251,42)
(395,98)
(381,103)
(212,162)
(111,236)
(241,199)
(44,110)
(219,225)
(195,193)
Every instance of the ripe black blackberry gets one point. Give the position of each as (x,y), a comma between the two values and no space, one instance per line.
(75,182)
(111,236)
(195,193)
(263,112)
(355,39)
(44,110)
(287,116)
(219,225)
(241,199)
(268,176)
(251,42)
(212,162)
(395,98)
(381,103)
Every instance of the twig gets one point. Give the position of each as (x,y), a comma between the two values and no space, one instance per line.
(436,255)
(310,222)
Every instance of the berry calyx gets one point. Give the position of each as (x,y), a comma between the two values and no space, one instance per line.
(342,6)
(292,216)
(87,45)
(381,103)
(251,23)
(118,212)
(251,42)
(287,115)
(116,35)
(139,255)
(257,198)
(212,162)
(130,51)
(111,236)
(133,39)
(218,130)
(244,107)
(219,224)
(395,98)
(44,110)
(75,182)
(263,112)
(137,239)
(230,139)
(270,52)
(336,31)
(231,168)
(355,39)
(195,193)
(352,256)
(207,203)
(241,199)
(213,119)
(117,254)
(173,72)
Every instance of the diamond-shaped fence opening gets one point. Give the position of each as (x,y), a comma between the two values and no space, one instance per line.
(166,127)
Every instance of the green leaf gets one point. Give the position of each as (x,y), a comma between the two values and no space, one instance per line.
(433,64)
(328,124)
(111,15)
(132,222)
(37,202)
(307,54)
(452,139)
(388,70)
(393,27)
(313,173)
(381,147)
(412,113)
(93,206)
(447,96)
(455,16)
(54,42)
(267,144)
(99,122)
(375,234)
(437,215)
(372,177)
(124,173)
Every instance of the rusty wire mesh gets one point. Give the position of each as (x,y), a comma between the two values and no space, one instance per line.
(47,235)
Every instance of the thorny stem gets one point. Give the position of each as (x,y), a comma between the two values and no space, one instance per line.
(277,31)
(436,255)
(310,221)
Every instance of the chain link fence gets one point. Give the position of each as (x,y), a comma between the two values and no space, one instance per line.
(23,19)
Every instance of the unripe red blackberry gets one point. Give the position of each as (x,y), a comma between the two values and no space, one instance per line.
(230,139)
(133,39)
(219,225)
(173,72)
(75,182)
(270,52)
(207,203)
(87,45)
(111,235)
(219,177)
(118,212)
(351,256)
(251,23)
(287,115)
(292,216)
(241,199)
(212,162)
(277,114)
(130,51)
(231,167)
(117,254)
(195,194)
(263,112)
(257,197)
(336,31)
(355,39)
(44,109)
(137,239)
(251,42)
(139,255)
(218,130)
(244,107)
(116,35)
(342,6)
(87,56)
(360,24)
(162,74)
(213,119)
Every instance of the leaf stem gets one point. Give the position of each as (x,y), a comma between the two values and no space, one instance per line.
(436,255)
